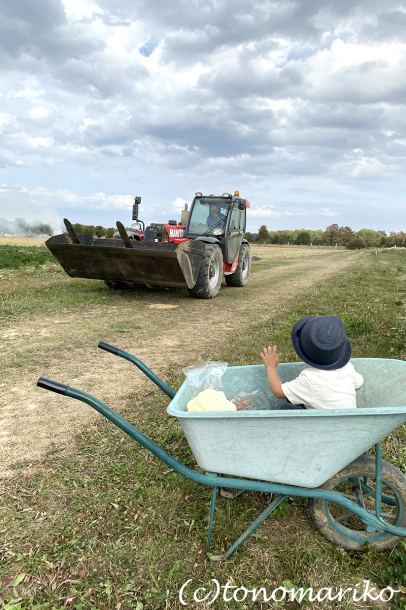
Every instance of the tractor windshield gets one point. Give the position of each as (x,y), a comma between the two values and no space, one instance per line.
(209,214)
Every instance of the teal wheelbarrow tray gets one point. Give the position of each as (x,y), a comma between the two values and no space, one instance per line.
(354,497)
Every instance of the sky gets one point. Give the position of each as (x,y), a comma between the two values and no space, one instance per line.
(299,105)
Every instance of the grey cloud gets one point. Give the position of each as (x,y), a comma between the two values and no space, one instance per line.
(42,15)
(390,25)
(40,30)
(202,28)
(256,110)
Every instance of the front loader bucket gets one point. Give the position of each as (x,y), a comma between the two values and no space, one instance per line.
(153,263)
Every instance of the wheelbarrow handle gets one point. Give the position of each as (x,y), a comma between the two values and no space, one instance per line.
(109,348)
(138,363)
(53,386)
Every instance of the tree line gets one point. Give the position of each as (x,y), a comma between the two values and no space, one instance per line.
(91,230)
(332,235)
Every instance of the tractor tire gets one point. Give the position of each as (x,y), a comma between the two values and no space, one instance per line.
(210,274)
(242,273)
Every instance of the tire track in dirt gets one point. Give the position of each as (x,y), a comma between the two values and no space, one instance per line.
(64,347)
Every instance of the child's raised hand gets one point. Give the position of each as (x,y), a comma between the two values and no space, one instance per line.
(270,357)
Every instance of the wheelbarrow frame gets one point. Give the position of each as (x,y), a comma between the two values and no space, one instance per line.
(222,482)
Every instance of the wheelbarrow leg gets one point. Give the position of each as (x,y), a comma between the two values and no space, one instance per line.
(378,480)
(250,530)
(211,517)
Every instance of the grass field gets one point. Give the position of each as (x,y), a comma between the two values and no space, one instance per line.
(21,241)
(91,520)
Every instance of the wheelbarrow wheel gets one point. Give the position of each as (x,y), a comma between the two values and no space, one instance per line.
(357,482)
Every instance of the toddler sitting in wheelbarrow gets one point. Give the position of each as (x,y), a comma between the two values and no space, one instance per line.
(331,380)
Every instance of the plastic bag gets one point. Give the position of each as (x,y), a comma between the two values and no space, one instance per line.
(205,376)
(251,401)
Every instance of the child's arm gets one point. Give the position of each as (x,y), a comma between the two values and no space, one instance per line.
(271,360)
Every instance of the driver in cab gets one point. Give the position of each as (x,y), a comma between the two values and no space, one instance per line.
(215,215)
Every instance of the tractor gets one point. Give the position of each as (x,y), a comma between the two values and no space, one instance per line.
(194,253)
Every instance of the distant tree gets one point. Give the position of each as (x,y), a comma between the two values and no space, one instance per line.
(110,232)
(283,237)
(100,231)
(345,234)
(78,227)
(88,230)
(337,235)
(356,243)
(295,233)
(286,237)
(316,236)
(384,241)
(250,237)
(370,237)
(330,235)
(303,238)
(262,235)
(397,239)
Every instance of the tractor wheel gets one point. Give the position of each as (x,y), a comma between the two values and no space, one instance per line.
(357,482)
(242,273)
(210,274)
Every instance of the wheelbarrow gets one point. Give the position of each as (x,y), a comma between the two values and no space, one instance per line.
(354,497)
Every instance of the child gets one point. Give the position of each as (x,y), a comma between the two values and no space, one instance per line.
(331,381)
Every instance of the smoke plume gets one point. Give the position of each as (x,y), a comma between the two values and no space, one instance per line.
(19,226)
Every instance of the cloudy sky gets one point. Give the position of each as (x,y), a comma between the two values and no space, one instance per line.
(298,104)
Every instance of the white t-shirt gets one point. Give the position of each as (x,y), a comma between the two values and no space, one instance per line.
(318,389)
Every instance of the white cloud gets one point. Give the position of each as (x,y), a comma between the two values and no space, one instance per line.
(326,212)
(263,212)
(77,9)
(369,168)
(179,204)
(39,142)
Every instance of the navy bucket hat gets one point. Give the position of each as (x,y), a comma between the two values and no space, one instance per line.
(321,342)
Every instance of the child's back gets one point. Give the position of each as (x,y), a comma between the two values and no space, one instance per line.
(318,389)
(331,381)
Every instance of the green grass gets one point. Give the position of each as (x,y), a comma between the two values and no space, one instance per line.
(109,524)
(16,257)
(55,292)
(257,266)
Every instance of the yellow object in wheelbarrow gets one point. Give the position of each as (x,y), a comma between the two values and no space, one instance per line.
(210,400)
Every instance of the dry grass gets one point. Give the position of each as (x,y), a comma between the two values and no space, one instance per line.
(21,241)
(268,251)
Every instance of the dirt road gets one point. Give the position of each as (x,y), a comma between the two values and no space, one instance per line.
(166,329)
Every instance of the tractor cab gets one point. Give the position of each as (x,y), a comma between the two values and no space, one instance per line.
(222,217)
